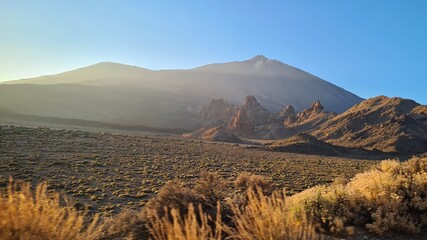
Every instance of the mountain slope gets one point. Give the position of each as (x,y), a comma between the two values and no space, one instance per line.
(102,104)
(100,73)
(387,124)
(305,143)
(273,83)
(122,94)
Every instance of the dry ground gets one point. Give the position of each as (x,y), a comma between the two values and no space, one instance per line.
(108,172)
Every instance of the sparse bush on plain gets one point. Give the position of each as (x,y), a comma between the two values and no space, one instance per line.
(41,216)
(246,181)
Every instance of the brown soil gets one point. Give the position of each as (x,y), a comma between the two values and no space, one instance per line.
(109,172)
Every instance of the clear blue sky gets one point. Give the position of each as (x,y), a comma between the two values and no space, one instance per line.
(368,47)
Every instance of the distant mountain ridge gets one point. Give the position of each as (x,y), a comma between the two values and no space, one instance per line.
(96,72)
(129,95)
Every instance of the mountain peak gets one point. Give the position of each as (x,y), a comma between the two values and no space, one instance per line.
(258,58)
(250,102)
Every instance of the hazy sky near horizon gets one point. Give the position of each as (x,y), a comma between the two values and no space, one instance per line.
(367,47)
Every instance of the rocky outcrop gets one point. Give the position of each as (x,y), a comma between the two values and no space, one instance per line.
(218,110)
(252,120)
(240,124)
(308,119)
(377,124)
(387,124)
(289,110)
(256,113)
(288,115)
(312,111)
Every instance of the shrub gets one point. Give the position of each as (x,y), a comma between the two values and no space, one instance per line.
(173,196)
(395,194)
(246,181)
(194,225)
(390,197)
(126,225)
(326,206)
(264,217)
(171,215)
(211,187)
(25,215)
(269,217)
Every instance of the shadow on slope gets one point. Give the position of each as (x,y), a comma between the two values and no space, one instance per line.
(307,144)
(6,114)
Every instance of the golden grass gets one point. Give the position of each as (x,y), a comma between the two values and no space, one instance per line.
(24,215)
(264,217)
(391,198)
(269,217)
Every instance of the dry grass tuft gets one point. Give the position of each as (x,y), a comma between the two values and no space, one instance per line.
(25,215)
(194,225)
(269,217)
(126,225)
(211,187)
(246,181)
(173,196)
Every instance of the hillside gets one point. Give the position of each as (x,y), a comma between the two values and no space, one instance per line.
(128,95)
(387,124)
(109,104)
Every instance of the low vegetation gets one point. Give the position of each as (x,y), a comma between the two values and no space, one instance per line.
(389,198)
(385,199)
(109,172)
(392,197)
(41,216)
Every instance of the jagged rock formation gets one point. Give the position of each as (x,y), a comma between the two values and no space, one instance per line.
(387,124)
(289,110)
(256,113)
(240,124)
(381,123)
(308,119)
(287,115)
(312,111)
(252,120)
(218,133)
(218,110)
